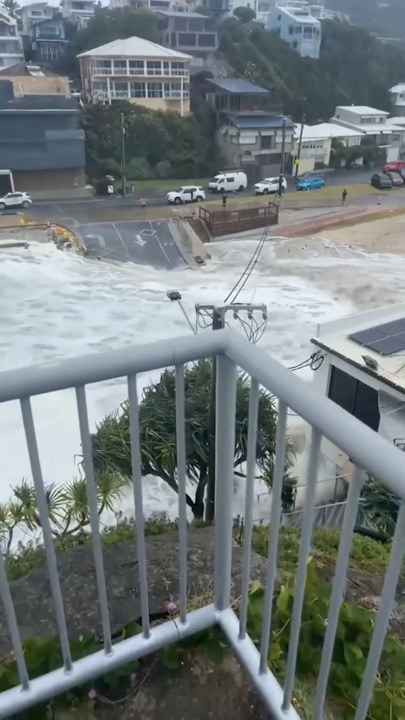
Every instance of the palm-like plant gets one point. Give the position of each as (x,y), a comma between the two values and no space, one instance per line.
(68,508)
(112,447)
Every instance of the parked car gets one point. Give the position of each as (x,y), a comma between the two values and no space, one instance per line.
(396,179)
(381,181)
(270,185)
(15,200)
(186,194)
(394,166)
(311,183)
(228,182)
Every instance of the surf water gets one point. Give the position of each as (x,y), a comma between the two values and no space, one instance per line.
(55,305)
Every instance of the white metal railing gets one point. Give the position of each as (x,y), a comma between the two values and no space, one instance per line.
(365,448)
(139,72)
(121,94)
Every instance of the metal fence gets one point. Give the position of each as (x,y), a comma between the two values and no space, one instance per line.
(364,447)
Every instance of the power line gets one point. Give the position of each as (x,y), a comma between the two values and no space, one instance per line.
(246,273)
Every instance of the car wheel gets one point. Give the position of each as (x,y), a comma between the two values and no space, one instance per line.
(221,189)
(25,204)
(177,201)
(2,206)
(241,188)
(265,191)
(199,198)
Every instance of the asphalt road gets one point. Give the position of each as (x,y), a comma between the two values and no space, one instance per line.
(143,243)
(157,198)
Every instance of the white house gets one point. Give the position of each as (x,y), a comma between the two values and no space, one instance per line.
(311,148)
(34,13)
(317,142)
(361,367)
(78,11)
(398,99)
(375,126)
(298,28)
(11,46)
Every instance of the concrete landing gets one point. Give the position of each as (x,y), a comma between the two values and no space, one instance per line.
(148,243)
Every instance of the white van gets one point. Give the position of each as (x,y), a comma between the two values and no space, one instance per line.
(228,182)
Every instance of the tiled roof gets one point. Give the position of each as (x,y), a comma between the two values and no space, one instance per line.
(239,86)
(23,70)
(134,47)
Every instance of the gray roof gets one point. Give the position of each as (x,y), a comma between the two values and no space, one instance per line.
(239,86)
(258,121)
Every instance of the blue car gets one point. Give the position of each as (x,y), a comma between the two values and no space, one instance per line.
(312,183)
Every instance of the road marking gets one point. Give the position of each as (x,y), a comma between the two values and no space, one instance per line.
(122,240)
(139,241)
(161,246)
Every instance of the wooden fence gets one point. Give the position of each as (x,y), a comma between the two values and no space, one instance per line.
(223,221)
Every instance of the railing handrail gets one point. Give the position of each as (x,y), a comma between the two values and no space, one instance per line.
(362,445)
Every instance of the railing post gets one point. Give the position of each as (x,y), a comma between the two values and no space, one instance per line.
(224,473)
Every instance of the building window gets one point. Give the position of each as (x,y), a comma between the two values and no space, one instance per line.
(138,90)
(207,40)
(357,398)
(153,67)
(264,7)
(298,30)
(136,67)
(279,18)
(290,29)
(180,24)
(187,40)
(120,67)
(155,90)
(178,68)
(267,142)
(120,90)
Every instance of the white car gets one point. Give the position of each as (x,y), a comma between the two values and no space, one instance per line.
(270,185)
(14,200)
(186,194)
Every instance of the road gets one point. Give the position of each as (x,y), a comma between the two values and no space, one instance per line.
(143,243)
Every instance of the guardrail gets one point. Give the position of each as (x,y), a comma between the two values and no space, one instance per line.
(365,448)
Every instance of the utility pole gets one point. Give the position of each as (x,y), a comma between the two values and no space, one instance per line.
(297,158)
(123,163)
(218,315)
(281,174)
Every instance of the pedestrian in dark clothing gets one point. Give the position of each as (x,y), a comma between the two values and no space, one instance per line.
(344,196)
(224,199)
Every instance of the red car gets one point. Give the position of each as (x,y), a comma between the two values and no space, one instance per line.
(394,166)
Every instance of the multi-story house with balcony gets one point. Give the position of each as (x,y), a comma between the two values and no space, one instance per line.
(298,28)
(249,137)
(397,94)
(11,47)
(376,128)
(43,32)
(179,5)
(139,71)
(78,11)
(189,33)
(34,13)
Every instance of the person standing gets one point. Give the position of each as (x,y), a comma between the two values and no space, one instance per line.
(344,196)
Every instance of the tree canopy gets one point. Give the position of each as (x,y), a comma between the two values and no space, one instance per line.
(157,144)
(112,448)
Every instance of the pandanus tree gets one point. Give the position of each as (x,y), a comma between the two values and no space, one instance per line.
(112,447)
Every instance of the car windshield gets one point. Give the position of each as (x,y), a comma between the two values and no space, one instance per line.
(216,178)
(180,189)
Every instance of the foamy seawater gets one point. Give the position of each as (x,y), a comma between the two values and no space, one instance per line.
(55,305)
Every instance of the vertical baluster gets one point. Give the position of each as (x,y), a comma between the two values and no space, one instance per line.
(336,599)
(275,520)
(94,517)
(12,625)
(181,474)
(381,625)
(305,547)
(249,495)
(136,461)
(29,429)
(224,473)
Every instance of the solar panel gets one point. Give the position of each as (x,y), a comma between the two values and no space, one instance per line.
(385,339)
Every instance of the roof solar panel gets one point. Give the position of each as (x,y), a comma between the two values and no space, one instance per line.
(385,339)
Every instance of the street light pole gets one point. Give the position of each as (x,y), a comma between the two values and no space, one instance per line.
(123,163)
(281,174)
(297,158)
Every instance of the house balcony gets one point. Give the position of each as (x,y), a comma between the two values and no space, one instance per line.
(368,452)
(104,96)
(135,72)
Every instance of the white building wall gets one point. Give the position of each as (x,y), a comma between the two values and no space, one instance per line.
(11,46)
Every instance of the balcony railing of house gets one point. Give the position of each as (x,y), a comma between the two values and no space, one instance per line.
(124,95)
(139,72)
(367,450)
